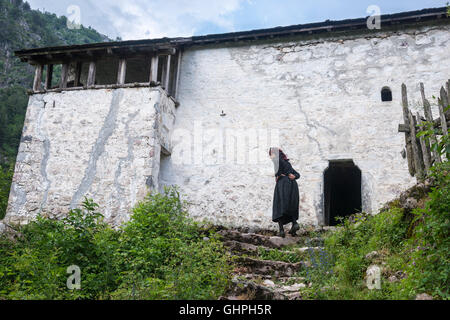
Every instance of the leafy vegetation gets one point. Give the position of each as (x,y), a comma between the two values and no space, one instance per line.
(279,255)
(428,130)
(158,254)
(5,181)
(412,248)
(20,28)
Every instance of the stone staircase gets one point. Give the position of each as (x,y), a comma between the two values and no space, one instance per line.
(259,278)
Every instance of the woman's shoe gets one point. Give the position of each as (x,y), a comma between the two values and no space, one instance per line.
(294,229)
(281,226)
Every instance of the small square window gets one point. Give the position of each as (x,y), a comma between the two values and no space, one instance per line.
(386,94)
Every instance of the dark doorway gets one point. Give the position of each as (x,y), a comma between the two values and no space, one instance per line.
(342,187)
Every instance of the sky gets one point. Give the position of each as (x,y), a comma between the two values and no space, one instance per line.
(146,19)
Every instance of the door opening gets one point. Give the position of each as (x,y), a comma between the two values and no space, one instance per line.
(342,191)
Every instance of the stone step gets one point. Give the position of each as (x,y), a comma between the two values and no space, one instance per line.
(269,267)
(249,290)
(304,230)
(239,248)
(243,289)
(262,277)
(258,239)
(284,289)
(243,247)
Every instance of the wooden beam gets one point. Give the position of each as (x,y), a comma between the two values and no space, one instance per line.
(167,52)
(415,147)
(122,71)
(448,90)
(64,75)
(177,75)
(409,151)
(166,75)
(38,78)
(424,146)
(403,128)
(76,82)
(154,68)
(443,105)
(429,117)
(48,77)
(91,74)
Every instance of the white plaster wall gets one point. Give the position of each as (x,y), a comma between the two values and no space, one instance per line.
(318,100)
(102,144)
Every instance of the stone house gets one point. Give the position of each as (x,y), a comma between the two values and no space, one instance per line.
(112,121)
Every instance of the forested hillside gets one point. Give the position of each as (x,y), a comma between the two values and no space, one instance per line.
(21,27)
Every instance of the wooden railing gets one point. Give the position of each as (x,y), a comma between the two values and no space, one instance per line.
(167,77)
(421,151)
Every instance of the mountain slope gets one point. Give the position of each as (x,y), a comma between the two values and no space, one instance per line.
(21,27)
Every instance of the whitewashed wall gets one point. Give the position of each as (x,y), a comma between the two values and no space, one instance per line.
(319,100)
(102,144)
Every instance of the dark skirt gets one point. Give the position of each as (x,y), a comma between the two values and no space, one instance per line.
(285,201)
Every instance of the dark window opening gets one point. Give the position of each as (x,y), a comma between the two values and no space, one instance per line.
(106,71)
(45,70)
(173,76)
(56,76)
(342,187)
(162,65)
(137,70)
(386,94)
(84,71)
(74,75)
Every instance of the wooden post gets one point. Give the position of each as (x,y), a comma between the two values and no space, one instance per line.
(91,74)
(443,104)
(415,147)
(425,151)
(76,81)
(154,68)
(177,76)
(64,75)
(48,77)
(122,71)
(409,151)
(429,117)
(37,78)
(448,90)
(167,74)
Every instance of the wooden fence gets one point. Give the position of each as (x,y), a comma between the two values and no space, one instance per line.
(419,153)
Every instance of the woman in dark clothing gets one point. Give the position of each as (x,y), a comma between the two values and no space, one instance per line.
(286,196)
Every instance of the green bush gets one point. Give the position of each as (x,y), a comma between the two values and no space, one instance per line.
(415,244)
(160,248)
(158,254)
(429,266)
